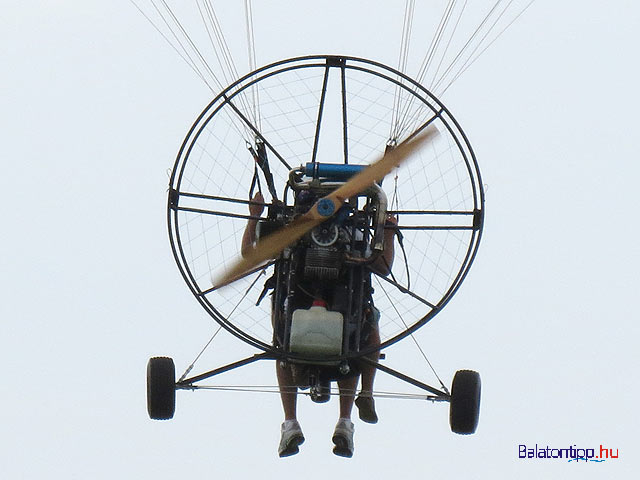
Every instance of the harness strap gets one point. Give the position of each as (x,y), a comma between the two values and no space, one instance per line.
(255,181)
(268,285)
(260,158)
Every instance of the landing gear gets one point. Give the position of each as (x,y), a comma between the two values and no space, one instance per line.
(161,391)
(465,402)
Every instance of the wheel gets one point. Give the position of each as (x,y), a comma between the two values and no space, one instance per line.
(465,402)
(161,391)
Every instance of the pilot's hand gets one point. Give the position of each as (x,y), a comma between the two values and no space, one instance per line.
(256,210)
(391,221)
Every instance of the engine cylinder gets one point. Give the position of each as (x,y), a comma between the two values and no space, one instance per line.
(322,263)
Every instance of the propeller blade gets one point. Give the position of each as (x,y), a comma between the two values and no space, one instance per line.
(378,170)
(272,245)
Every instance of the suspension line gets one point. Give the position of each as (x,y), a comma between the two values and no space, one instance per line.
(225,59)
(431,52)
(251,54)
(402,64)
(471,39)
(470,62)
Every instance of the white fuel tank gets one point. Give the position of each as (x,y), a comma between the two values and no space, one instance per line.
(316,331)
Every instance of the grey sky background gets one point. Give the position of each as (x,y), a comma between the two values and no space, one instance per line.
(93,109)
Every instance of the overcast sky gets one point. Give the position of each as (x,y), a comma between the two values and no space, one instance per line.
(93,109)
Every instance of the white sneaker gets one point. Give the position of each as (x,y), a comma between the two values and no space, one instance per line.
(290,439)
(343,438)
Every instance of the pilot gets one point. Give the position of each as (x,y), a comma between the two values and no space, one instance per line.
(291,433)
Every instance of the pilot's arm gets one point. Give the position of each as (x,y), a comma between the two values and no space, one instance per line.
(249,236)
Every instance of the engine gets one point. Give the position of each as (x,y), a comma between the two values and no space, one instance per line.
(323,257)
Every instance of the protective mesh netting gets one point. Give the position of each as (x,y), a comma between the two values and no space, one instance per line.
(216,162)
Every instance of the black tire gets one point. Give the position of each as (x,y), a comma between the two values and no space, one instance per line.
(161,389)
(464,410)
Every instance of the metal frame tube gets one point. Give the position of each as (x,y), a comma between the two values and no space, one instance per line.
(406,378)
(188,382)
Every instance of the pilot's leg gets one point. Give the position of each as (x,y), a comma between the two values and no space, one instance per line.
(365,402)
(291,433)
(343,433)
(368,371)
(347,389)
(288,390)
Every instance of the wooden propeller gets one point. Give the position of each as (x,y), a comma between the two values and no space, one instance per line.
(272,245)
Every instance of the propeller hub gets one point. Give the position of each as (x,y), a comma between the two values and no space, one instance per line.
(326,207)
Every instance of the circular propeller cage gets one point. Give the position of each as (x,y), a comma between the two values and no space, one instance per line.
(332,110)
